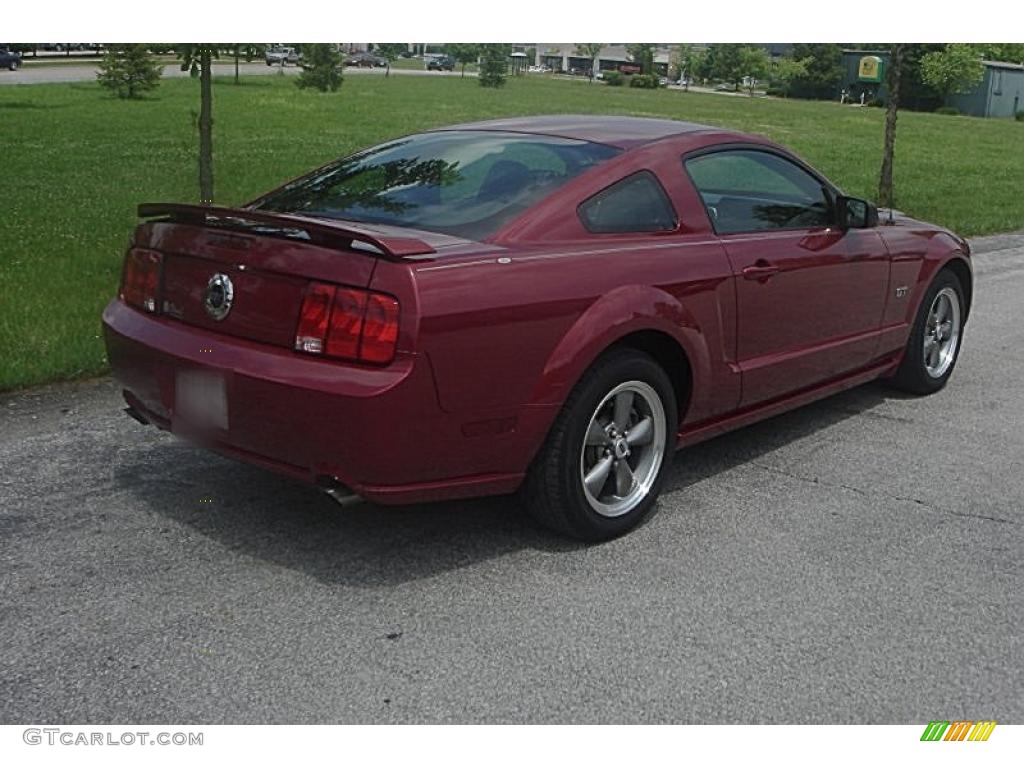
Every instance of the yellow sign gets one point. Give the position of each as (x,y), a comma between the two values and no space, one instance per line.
(870,69)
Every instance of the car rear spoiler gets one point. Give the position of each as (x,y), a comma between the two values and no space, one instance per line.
(316,229)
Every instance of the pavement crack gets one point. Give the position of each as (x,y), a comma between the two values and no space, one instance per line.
(884,494)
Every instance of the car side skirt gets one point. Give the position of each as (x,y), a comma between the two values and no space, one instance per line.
(697,433)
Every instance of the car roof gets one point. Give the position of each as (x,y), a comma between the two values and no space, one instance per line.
(620,131)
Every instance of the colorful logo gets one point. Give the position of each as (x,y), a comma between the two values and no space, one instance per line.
(870,69)
(958,730)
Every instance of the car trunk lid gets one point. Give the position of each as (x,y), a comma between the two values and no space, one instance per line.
(264,261)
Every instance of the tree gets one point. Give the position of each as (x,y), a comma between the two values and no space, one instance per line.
(1012,52)
(464,53)
(248,50)
(198,58)
(754,65)
(956,69)
(893,76)
(723,63)
(823,70)
(129,71)
(493,64)
(686,63)
(785,71)
(642,54)
(592,51)
(321,67)
(389,52)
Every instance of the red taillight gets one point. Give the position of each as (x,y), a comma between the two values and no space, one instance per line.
(140,283)
(380,329)
(313,318)
(348,323)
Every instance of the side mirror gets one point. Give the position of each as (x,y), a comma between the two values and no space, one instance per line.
(854,213)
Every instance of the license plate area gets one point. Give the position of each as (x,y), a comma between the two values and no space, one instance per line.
(200,401)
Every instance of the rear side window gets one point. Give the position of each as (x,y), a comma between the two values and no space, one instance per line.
(637,203)
(750,190)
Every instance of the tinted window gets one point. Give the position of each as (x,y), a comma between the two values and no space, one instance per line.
(636,204)
(465,183)
(747,191)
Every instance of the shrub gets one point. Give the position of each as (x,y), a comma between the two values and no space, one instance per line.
(613,78)
(1020,116)
(644,81)
(947,111)
(321,67)
(493,64)
(129,71)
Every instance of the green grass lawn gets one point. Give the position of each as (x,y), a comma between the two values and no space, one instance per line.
(75,163)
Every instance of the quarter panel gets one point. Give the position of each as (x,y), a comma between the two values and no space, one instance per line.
(509,331)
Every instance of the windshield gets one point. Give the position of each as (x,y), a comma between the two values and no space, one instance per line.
(463,183)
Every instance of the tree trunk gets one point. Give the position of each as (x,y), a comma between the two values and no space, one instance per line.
(236,64)
(885,187)
(387,72)
(205,129)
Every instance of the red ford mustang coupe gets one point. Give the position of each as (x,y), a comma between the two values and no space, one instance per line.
(548,304)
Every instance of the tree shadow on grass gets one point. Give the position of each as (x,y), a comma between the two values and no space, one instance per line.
(246,81)
(295,526)
(29,105)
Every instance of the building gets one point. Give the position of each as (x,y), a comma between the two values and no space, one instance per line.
(564,57)
(863,79)
(1000,93)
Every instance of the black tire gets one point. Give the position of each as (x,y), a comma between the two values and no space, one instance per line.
(553,493)
(913,374)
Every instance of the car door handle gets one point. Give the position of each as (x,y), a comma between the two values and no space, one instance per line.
(760,270)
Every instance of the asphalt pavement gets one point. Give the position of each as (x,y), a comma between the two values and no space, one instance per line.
(71,73)
(855,561)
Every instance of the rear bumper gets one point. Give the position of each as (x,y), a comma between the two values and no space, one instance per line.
(379,431)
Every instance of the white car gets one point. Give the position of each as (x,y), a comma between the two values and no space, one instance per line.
(281,56)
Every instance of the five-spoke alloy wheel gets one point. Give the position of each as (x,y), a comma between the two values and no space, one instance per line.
(623,448)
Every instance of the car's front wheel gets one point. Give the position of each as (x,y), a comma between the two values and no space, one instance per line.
(601,469)
(934,343)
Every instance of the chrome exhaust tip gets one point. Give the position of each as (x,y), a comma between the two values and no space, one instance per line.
(340,492)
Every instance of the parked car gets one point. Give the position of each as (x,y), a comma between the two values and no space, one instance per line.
(545,304)
(365,59)
(9,59)
(281,56)
(630,69)
(441,63)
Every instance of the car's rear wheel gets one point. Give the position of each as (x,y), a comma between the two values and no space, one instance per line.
(934,343)
(601,469)
(13,66)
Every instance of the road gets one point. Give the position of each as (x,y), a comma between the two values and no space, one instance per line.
(859,560)
(70,73)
